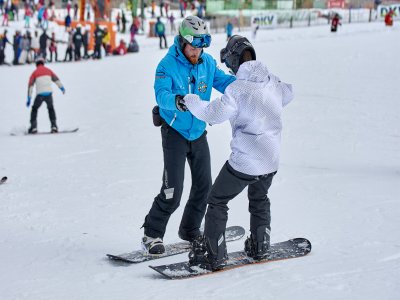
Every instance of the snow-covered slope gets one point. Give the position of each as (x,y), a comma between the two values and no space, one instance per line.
(72,198)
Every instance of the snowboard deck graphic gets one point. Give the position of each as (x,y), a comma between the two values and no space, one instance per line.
(232,233)
(25,132)
(293,248)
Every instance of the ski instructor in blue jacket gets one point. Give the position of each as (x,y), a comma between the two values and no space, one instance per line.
(186,69)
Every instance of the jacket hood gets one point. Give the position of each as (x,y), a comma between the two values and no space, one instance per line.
(254,71)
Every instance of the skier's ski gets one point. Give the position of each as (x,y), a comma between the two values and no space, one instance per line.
(25,132)
(232,233)
(289,249)
(3,180)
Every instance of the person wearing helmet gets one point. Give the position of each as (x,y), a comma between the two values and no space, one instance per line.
(185,69)
(42,77)
(253,104)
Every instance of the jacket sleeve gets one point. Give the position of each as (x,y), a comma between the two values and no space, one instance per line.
(163,89)
(221,80)
(286,88)
(214,112)
(32,80)
(55,79)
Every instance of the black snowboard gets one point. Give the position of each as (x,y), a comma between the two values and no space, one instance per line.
(45,132)
(232,233)
(290,249)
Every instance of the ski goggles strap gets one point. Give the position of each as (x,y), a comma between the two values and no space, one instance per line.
(200,41)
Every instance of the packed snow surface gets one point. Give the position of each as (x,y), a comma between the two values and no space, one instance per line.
(72,198)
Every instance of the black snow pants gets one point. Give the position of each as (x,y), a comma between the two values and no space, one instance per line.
(227,186)
(38,102)
(176,151)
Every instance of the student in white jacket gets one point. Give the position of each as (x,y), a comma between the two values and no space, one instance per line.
(253,105)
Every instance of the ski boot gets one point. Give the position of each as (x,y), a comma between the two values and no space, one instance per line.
(258,246)
(154,246)
(209,254)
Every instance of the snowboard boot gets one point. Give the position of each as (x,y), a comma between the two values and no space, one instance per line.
(32,130)
(154,246)
(54,128)
(258,246)
(208,253)
(184,235)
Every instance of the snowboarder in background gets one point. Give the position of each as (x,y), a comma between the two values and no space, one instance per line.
(335,22)
(160,32)
(185,69)
(253,104)
(42,77)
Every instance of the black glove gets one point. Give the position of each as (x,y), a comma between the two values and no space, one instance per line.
(180,103)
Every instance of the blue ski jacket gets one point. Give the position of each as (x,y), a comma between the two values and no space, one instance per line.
(175,75)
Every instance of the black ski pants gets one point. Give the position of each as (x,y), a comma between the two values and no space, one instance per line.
(38,102)
(227,186)
(162,37)
(176,151)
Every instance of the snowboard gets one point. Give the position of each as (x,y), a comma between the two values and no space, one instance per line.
(3,180)
(232,233)
(284,250)
(25,132)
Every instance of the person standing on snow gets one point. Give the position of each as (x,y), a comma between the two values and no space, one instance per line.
(77,40)
(253,104)
(160,32)
(335,22)
(42,77)
(186,69)
(98,40)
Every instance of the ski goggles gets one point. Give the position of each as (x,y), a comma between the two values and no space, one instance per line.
(200,41)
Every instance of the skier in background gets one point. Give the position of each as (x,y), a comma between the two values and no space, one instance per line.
(160,32)
(185,69)
(253,104)
(335,22)
(42,77)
